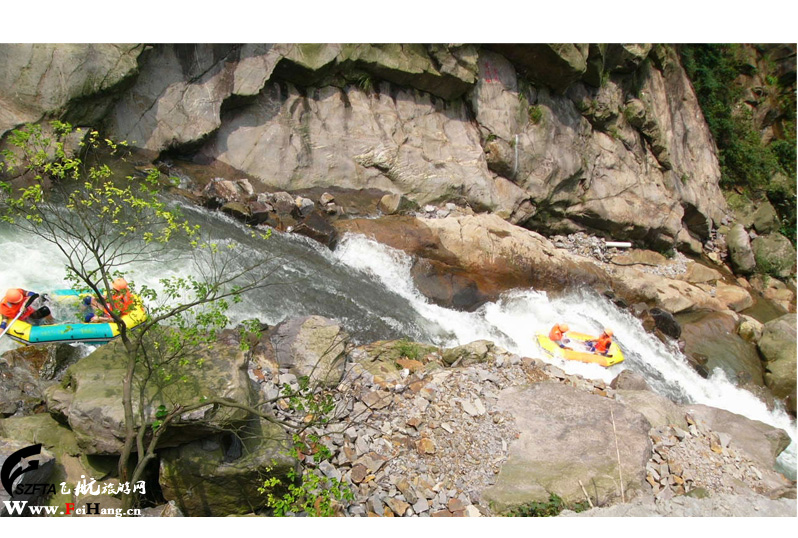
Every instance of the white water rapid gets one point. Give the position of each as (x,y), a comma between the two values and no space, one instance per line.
(514,320)
(368,288)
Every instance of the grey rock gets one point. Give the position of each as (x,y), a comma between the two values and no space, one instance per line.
(741,254)
(774,254)
(778,348)
(766,219)
(421,506)
(559,454)
(311,346)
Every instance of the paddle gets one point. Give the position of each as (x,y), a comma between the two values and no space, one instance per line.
(21,311)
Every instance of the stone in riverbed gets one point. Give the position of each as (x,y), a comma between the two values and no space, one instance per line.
(311,346)
(398,506)
(741,254)
(774,254)
(778,348)
(317,227)
(551,452)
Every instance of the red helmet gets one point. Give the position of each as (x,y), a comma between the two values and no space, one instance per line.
(564,327)
(119,284)
(13,296)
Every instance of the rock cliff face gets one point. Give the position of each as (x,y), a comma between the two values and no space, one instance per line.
(552,137)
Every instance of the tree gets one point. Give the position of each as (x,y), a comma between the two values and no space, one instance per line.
(68,192)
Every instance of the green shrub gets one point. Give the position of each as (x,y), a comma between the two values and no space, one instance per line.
(535,114)
(552,508)
(745,161)
(409,349)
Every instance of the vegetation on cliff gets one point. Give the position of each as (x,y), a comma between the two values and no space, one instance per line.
(749,105)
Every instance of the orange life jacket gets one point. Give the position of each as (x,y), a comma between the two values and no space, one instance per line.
(603,343)
(121,302)
(556,333)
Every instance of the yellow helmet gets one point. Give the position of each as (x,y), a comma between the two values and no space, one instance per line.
(608,332)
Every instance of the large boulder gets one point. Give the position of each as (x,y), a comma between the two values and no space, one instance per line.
(471,353)
(625,57)
(26,372)
(766,220)
(778,348)
(221,475)
(666,323)
(667,294)
(556,65)
(740,253)
(483,256)
(311,346)
(774,254)
(486,254)
(658,410)
(711,339)
(762,442)
(568,436)
(736,298)
(90,396)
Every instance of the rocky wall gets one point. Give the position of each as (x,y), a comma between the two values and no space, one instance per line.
(552,137)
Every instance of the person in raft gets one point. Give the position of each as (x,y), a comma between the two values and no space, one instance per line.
(15,300)
(121,301)
(601,344)
(557,334)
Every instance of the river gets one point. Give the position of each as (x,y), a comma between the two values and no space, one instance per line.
(367,287)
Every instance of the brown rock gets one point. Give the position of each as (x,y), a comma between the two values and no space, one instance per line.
(425,446)
(359,473)
(407,490)
(455,505)
(398,506)
(377,399)
(442,513)
(410,364)
(482,255)
(417,386)
(317,227)
(414,422)
(372,461)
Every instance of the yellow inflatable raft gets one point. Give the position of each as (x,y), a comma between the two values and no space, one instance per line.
(96,333)
(578,350)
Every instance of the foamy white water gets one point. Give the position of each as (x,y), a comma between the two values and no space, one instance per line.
(513,321)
